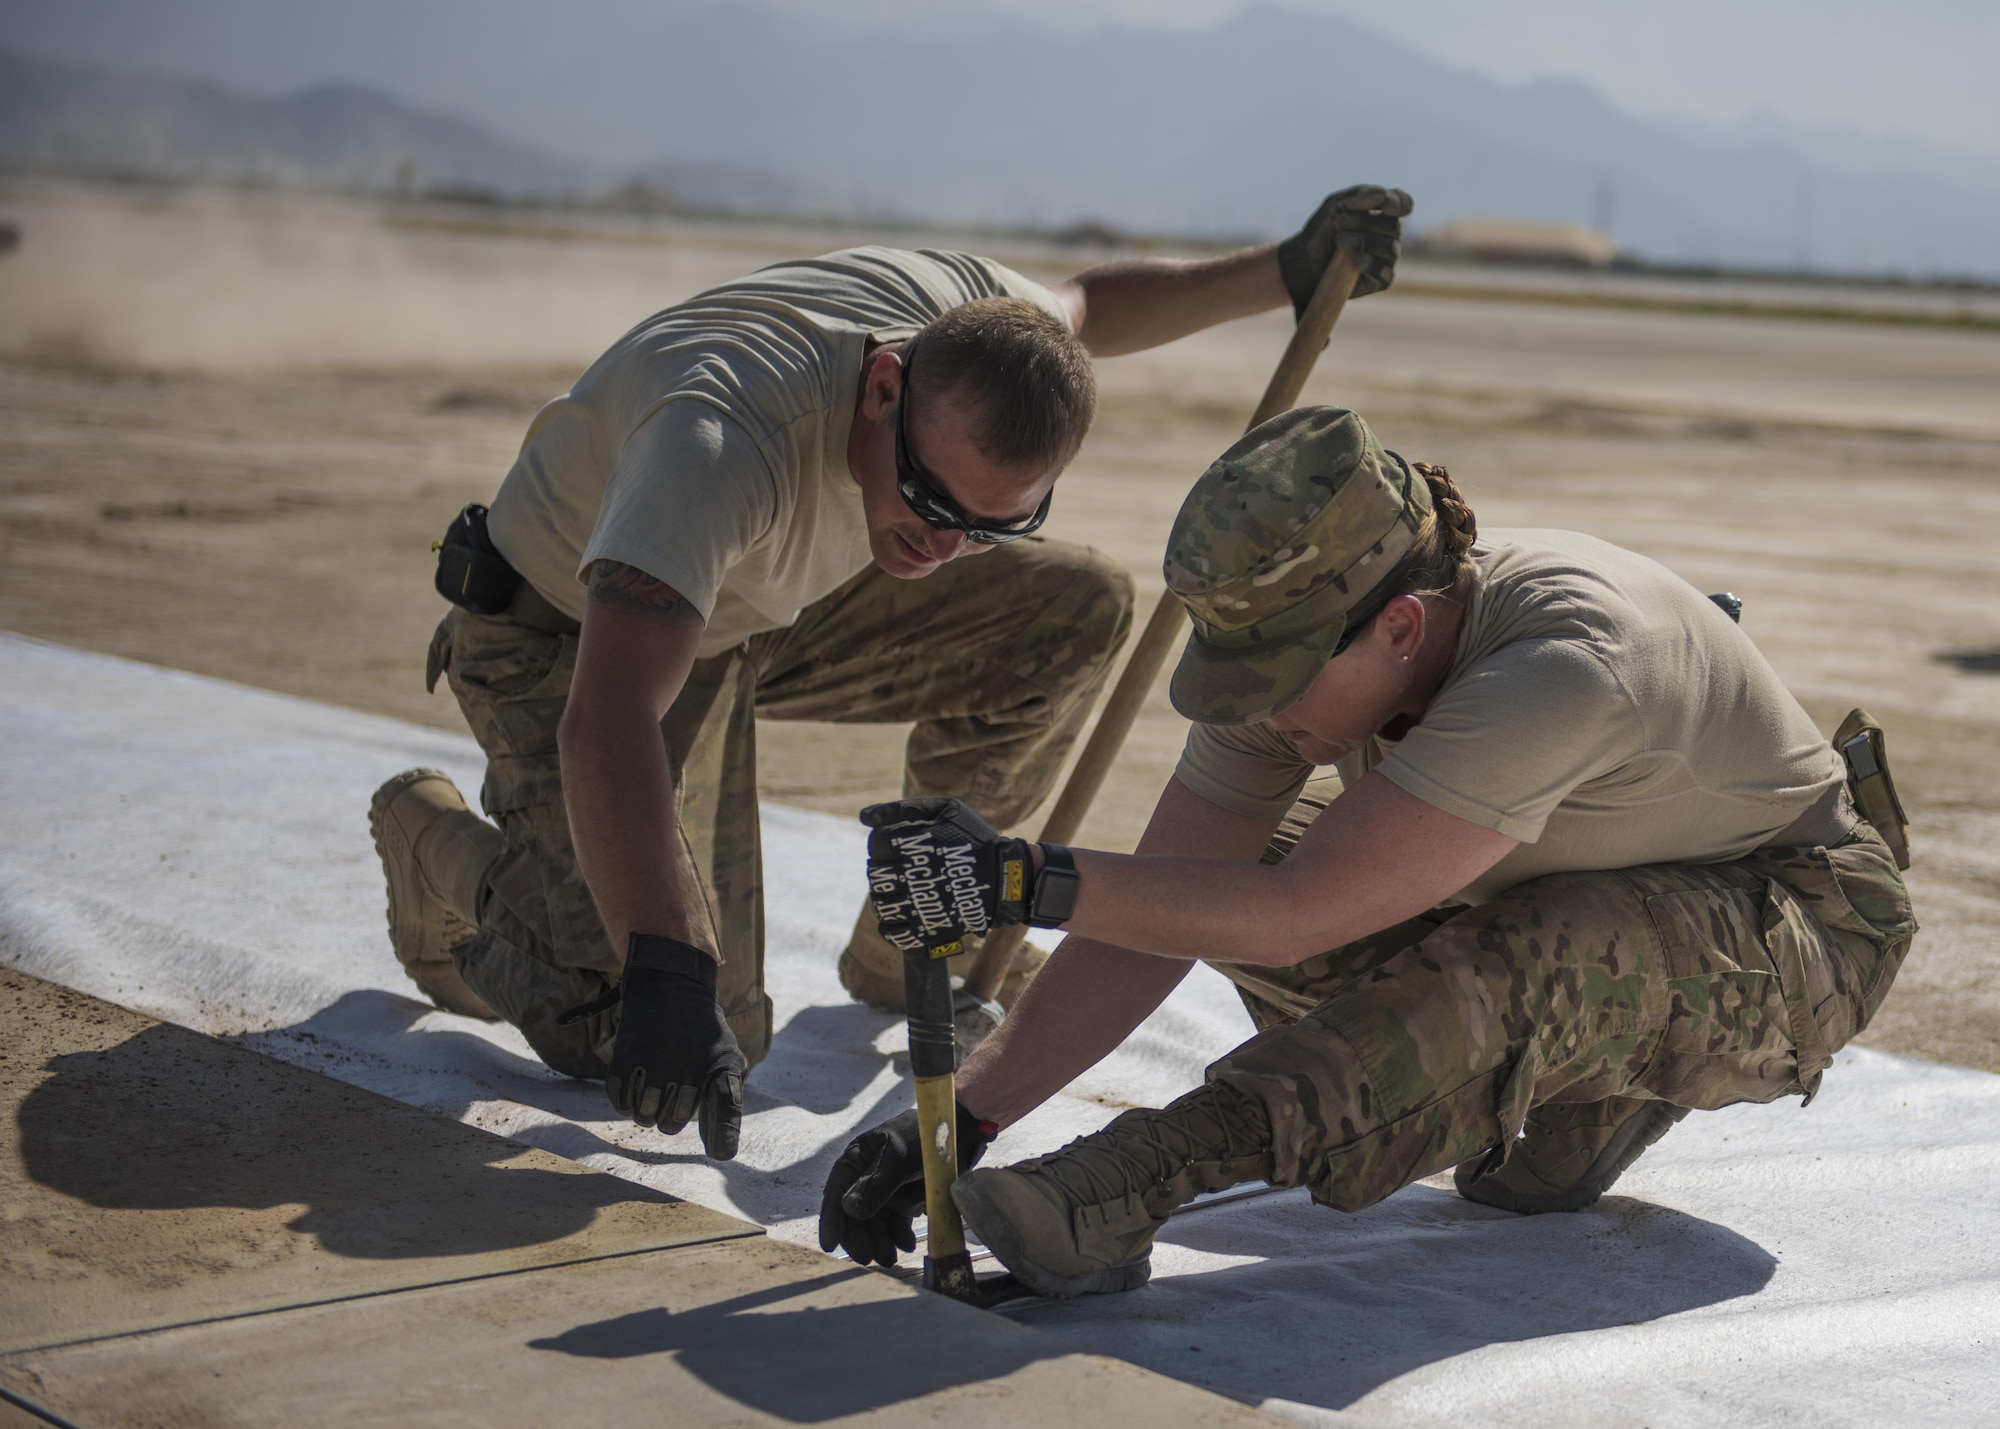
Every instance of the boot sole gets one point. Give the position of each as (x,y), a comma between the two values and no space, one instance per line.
(998,1234)
(1627,1144)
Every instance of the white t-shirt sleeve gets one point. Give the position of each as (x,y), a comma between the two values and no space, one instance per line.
(1248,769)
(1515,734)
(691,491)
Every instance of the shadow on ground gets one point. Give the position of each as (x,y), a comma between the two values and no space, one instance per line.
(822,1061)
(171,1120)
(817,1362)
(1338,1305)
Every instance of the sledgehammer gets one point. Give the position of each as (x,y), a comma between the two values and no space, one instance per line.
(933,1058)
(992,963)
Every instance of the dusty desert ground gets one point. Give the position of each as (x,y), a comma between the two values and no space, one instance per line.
(231,426)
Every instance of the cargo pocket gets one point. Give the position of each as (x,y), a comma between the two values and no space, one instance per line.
(1793,940)
(1729,1034)
(512,682)
(1856,894)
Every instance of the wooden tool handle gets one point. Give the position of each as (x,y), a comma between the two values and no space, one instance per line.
(1309,339)
(995,959)
(933,1054)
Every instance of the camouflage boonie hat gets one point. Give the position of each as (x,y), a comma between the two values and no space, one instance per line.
(1275,549)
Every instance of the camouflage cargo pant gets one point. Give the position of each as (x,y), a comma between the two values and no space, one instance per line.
(1408,1052)
(997,658)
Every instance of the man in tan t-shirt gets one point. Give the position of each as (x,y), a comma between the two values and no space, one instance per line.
(755,503)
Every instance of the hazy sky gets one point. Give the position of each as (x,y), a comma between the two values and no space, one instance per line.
(1915,67)
(1918,67)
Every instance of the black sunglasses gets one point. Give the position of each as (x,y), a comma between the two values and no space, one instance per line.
(923,495)
(1356,628)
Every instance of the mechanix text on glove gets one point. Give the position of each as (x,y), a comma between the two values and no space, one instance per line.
(938,873)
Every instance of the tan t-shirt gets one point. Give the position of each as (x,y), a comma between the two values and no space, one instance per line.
(1600,709)
(708,447)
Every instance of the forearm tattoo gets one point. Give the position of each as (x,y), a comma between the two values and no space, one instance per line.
(615,583)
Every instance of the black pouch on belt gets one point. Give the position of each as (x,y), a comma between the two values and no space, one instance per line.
(471,571)
(1866,752)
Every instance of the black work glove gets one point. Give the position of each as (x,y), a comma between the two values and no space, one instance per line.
(674,1054)
(1367,219)
(876,1189)
(937,872)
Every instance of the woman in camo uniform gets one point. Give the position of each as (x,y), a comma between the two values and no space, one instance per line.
(1590,867)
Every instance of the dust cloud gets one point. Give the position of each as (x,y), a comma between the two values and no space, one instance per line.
(233,283)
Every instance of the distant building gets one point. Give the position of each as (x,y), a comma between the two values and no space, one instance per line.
(1519,240)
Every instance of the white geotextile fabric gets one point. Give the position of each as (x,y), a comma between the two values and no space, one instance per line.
(199,852)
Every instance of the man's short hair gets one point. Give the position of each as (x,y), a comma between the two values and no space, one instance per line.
(1025,373)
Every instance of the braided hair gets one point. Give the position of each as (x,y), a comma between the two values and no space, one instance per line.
(1439,563)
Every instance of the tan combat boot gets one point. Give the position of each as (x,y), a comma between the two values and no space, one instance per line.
(1569,1155)
(1082,1221)
(435,853)
(872,971)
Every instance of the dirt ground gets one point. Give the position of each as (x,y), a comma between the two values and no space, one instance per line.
(226,444)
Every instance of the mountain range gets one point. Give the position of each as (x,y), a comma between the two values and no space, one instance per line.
(68,120)
(1232,130)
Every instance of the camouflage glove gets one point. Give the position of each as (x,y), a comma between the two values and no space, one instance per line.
(876,1189)
(674,1054)
(937,872)
(1367,219)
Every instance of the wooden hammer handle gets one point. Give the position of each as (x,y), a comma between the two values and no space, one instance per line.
(995,959)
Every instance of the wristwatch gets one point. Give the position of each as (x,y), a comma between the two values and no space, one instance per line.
(1055,889)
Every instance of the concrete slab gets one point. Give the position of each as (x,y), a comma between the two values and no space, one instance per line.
(159,1177)
(747,1332)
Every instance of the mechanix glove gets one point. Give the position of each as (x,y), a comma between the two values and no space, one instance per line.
(1367,219)
(674,1054)
(938,872)
(876,1189)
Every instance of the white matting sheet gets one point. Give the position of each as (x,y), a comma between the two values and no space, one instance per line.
(199,852)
